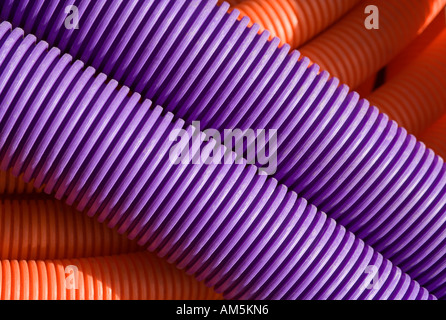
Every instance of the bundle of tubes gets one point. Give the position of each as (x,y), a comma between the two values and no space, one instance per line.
(93,207)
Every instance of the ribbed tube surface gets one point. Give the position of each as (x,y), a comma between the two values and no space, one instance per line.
(48,229)
(101,149)
(10,185)
(136,276)
(416,97)
(416,47)
(352,53)
(294,21)
(216,73)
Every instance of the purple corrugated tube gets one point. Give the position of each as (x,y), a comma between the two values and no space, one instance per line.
(106,152)
(201,63)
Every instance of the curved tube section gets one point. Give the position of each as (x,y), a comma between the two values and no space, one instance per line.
(352,53)
(294,21)
(104,151)
(41,229)
(135,276)
(416,97)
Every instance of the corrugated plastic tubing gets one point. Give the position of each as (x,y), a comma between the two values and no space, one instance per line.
(102,150)
(435,136)
(416,97)
(294,21)
(416,47)
(10,185)
(352,53)
(43,229)
(135,276)
(203,64)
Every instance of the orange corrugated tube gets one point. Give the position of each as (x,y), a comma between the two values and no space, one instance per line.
(351,52)
(12,185)
(48,229)
(416,47)
(294,21)
(136,276)
(416,97)
(435,136)
(367,86)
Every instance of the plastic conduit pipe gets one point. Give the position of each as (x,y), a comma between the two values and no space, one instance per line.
(10,185)
(378,174)
(416,47)
(435,136)
(101,149)
(40,229)
(352,53)
(47,229)
(135,276)
(294,21)
(416,97)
